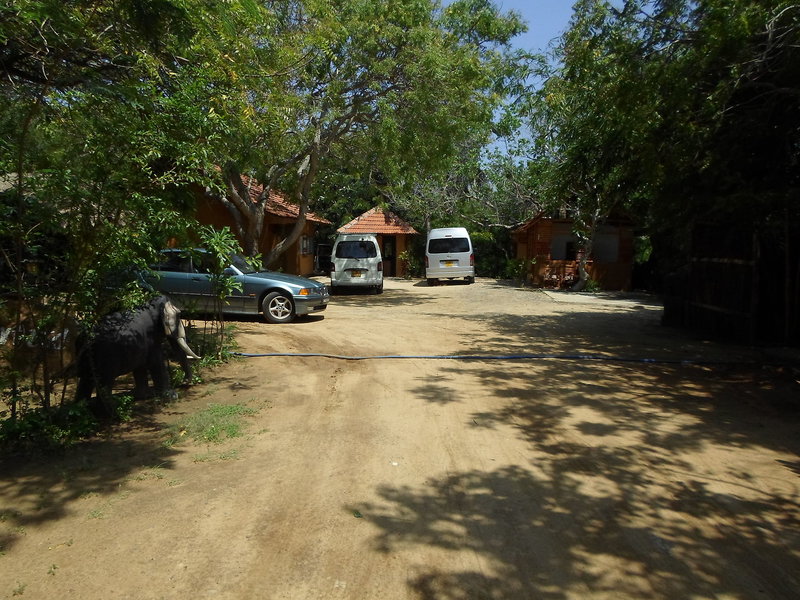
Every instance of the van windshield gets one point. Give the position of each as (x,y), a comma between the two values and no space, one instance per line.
(448,245)
(357,249)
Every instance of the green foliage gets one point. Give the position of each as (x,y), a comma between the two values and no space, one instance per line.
(673,111)
(123,408)
(492,249)
(591,286)
(387,92)
(222,245)
(47,429)
(517,269)
(410,265)
(642,249)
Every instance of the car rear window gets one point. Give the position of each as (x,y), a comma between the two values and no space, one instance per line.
(356,249)
(448,245)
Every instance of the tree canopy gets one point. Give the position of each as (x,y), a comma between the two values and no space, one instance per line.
(672,111)
(382,87)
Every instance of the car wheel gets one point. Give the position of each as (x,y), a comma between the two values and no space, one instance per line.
(379,289)
(432,282)
(278,307)
(470,280)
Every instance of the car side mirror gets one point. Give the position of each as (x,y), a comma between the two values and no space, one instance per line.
(229,272)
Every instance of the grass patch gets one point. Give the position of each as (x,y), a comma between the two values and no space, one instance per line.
(232,454)
(213,425)
(148,473)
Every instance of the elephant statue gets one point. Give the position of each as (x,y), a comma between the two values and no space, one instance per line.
(132,342)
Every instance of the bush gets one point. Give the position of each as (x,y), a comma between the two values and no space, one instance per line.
(517,269)
(45,429)
(410,266)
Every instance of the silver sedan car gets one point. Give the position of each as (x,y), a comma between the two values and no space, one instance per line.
(185,276)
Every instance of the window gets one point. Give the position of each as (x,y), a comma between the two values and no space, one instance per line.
(356,250)
(606,247)
(174,263)
(201,263)
(306,245)
(448,245)
(563,247)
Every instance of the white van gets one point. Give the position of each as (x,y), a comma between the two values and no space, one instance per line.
(356,262)
(448,255)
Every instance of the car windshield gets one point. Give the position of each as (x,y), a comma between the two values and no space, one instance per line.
(358,249)
(240,263)
(446,245)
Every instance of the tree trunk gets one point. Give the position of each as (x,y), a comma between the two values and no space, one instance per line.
(307,172)
(583,273)
(586,239)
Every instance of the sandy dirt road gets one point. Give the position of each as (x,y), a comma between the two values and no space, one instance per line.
(422,478)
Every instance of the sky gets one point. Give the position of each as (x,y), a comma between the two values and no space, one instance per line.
(547,19)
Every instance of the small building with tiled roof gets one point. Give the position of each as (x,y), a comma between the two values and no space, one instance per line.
(279,218)
(552,251)
(392,232)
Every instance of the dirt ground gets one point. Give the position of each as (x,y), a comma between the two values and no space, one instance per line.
(436,479)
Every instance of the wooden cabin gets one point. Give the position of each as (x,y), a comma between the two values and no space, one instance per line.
(555,248)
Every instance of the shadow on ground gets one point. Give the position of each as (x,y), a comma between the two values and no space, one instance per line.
(641,481)
(45,487)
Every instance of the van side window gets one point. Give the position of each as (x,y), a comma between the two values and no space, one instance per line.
(446,245)
(356,249)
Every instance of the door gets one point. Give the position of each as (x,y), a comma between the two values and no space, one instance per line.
(389,251)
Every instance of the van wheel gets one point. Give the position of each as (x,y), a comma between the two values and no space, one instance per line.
(278,307)
(470,280)
(432,282)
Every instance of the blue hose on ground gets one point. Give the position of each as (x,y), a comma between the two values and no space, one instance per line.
(596,357)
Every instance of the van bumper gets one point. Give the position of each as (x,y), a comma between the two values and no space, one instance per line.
(344,280)
(449,272)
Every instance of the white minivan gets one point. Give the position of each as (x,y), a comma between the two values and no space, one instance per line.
(356,262)
(448,255)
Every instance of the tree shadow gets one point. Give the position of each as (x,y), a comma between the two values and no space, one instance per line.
(631,489)
(389,298)
(548,535)
(46,487)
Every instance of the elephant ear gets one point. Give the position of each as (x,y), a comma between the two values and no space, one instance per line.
(171,319)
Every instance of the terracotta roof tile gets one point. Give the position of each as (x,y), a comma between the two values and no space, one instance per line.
(278,204)
(376,220)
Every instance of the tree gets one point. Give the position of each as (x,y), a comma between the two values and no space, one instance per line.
(95,177)
(670,110)
(396,85)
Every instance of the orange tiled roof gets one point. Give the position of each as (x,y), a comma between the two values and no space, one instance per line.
(377,220)
(278,204)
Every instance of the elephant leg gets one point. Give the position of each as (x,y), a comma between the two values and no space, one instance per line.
(140,383)
(160,374)
(104,406)
(85,387)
